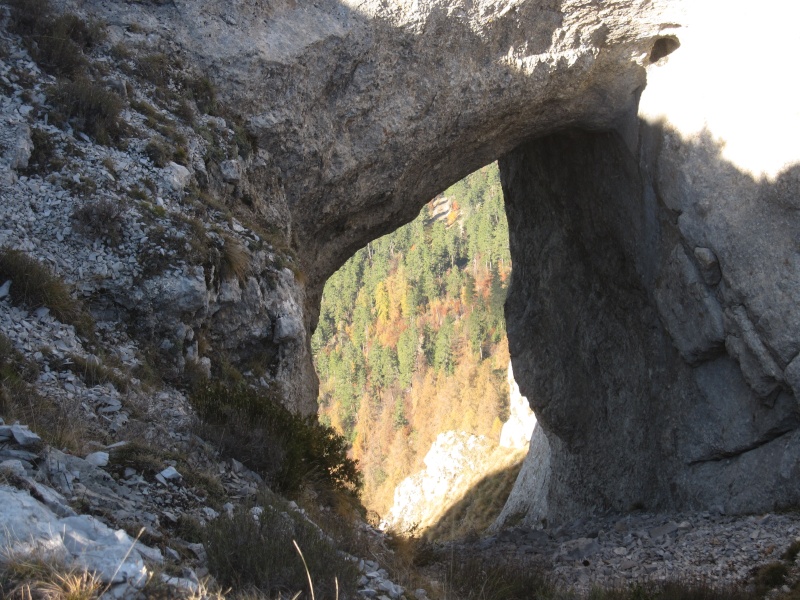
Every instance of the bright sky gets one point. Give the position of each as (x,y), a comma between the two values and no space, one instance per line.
(737,73)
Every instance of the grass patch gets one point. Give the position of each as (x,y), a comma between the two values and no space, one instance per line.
(288,450)
(92,372)
(234,260)
(88,107)
(25,577)
(19,400)
(255,551)
(56,42)
(100,219)
(477,579)
(483,580)
(672,590)
(34,285)
(14,367)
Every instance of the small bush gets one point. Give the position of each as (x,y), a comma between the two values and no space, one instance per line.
(252,550)
(202,91)
(771,575)
(792,551)
(158,152)
(29,17)
(56,42)
(44,157)
(287,449)
(100,219)
(34,285)
(89,108)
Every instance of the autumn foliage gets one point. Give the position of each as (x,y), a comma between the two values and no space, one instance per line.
(411,338)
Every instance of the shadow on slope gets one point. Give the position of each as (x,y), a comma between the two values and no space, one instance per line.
(478,508)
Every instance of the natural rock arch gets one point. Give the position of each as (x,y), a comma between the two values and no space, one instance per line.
(647,323)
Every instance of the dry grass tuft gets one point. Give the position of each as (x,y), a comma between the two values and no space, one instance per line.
(34,285)
(235,261)
(34,577)
(100,219)
(92,372)
(253,551)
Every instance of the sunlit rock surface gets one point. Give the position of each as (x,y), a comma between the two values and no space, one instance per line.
(517,430)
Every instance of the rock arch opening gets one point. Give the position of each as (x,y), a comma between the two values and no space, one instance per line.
(412,353)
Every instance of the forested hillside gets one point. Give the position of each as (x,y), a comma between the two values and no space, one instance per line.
(411,338)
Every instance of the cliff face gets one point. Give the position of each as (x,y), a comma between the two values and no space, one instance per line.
(653,315)
(653,322)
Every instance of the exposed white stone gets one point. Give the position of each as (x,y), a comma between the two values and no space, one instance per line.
(231,170)
(177,176)
(98,459)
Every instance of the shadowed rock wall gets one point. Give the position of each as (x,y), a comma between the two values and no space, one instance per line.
(652,316)
(628,336)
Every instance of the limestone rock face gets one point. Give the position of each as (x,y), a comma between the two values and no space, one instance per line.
(368,109)
(653,323)
(652,319)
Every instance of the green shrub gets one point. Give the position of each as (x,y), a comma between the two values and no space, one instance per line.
(34,285)
(88,107)
(256,551)
(287,449)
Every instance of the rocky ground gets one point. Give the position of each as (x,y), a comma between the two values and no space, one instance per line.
(617,551)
